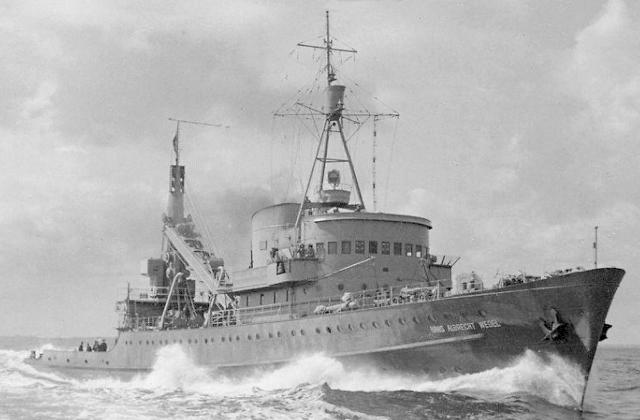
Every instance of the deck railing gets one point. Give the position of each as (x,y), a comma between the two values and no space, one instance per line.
(351,301)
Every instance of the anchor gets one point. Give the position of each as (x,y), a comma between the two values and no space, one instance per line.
(603,334)
(554,330)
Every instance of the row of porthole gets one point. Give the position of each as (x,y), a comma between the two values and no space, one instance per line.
(318,330)
(106,362)
(402,321)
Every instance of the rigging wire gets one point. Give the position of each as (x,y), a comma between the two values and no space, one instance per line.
(393,143)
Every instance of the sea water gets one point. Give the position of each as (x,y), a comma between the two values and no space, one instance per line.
(317,387)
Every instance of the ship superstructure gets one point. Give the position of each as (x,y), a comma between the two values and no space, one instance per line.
(328,276)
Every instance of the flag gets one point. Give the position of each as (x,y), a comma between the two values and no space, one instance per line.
(175,142)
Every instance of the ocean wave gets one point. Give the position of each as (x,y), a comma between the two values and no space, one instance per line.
(554,379)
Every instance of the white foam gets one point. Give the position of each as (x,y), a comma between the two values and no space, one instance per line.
(556,380)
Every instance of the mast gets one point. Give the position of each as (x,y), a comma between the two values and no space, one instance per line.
(327,197)
(595,248)
(175,207)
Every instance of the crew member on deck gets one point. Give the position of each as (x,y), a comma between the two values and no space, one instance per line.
(80,347)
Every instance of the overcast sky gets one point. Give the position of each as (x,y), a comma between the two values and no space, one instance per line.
(519,132)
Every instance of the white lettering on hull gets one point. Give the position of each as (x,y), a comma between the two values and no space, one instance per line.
(465,326)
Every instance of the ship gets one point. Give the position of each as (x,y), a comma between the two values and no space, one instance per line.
(328,276)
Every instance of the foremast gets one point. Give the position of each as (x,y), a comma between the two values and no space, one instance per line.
(332,195)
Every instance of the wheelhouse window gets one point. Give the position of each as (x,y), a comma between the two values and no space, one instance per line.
(346,247)
(332,247)
(419,251)
(397,248)
(373,247)
(408,250)
(385,248)
(359,247)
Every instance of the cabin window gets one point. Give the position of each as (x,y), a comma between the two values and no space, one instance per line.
(359,247)
(346,247)
(246,301)
(373,247)
(419,251)
(262,245)
(408,250)
(320,249)
(261,299)
(397,248)
(274,297)
(332,248)
(385,248)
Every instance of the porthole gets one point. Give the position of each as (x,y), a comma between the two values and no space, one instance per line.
(67,360)
(270,335)
(85,360)
(106,362)
(152,343)
(387,323)
(293,332)
(257,336)
(278,334)
(375,324)
(341,287)
(206,341)
(431,318)
(230,339)
(222,339)
(416,320)
(338,328)
(329,330)
(318,330)
(237,338)
(166,341)
(189,341)
(195,341)
(211,340)
(482,313)
(364,286)
(401,321)
(362,326)
(349,327)
(139,342)
(301,332)
(49,359)
(147,342)
(249,337)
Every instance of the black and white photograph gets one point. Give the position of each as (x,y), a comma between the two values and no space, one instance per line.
(356,209)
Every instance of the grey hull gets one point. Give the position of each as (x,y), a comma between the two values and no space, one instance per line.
(464,333)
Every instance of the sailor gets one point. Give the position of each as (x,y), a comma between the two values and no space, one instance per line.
(96,347)
(80,347)
(103,345)
(310,252)
(88,346)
